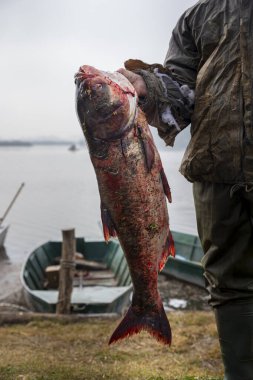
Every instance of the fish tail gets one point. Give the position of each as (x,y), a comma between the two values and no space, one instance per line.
(156,323)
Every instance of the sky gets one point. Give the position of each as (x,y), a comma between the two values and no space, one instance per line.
(43,43)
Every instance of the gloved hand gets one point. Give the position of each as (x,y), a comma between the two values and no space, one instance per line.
(137,81)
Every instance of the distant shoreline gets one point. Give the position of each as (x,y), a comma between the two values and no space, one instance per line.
(20,143)
(15,143)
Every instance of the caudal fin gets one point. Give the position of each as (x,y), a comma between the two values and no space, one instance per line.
(156,323)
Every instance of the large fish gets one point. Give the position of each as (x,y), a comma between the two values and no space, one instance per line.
(132,187)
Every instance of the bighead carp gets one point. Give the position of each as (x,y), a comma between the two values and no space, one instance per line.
(132,186)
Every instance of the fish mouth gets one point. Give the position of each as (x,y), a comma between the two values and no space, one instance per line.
(85,72)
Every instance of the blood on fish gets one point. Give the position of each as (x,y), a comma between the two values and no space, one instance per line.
(124,91)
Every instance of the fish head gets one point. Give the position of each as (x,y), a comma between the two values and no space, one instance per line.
(106,103)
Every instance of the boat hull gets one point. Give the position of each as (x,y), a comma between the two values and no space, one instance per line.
(186,266)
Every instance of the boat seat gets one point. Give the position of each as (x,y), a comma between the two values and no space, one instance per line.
(96,282)
(86,295)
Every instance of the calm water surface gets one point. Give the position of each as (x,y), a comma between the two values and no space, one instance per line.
(61,192)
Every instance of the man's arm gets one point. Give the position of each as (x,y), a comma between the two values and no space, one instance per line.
(183,57)
(167,93)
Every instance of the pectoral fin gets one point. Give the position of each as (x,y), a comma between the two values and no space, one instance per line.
(147,149)
(166,186)
(108,225)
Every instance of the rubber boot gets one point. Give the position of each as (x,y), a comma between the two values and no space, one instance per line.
(235,329)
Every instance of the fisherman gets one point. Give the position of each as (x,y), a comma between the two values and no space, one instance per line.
(207,80)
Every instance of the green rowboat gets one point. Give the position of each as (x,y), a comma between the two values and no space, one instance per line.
(104,288)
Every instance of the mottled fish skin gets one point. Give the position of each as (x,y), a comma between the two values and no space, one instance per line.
(132,187)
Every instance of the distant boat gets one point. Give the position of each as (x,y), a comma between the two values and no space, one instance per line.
(73,148)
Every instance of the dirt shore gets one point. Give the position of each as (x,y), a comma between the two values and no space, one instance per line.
(185,296)
(9,276)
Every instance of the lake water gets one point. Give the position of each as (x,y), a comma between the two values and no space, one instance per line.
(61,192)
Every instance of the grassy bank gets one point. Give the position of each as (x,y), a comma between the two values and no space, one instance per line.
(57,351)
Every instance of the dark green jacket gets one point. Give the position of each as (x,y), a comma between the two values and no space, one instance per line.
(211,51)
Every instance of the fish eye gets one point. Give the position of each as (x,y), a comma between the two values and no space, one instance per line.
(97,86)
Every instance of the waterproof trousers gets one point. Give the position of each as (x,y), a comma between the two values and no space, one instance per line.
(225,225)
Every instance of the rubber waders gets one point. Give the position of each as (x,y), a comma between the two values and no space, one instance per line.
(235,329)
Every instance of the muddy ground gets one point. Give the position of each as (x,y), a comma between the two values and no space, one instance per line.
(186,296)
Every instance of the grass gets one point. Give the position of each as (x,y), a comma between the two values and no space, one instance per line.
(57,351)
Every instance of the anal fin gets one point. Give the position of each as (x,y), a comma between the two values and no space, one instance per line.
(169,250)
(108,225)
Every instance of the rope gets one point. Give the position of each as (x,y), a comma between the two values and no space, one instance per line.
(248,187)
(67,264)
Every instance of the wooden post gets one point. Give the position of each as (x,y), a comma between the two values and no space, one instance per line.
(66,272)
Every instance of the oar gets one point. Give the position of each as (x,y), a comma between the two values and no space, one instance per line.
(12,203)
